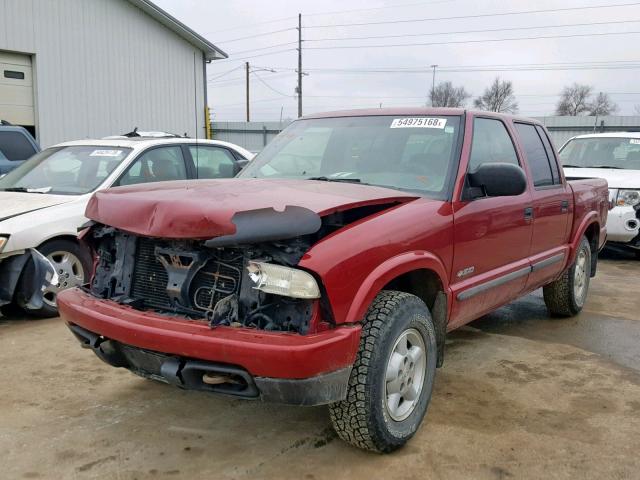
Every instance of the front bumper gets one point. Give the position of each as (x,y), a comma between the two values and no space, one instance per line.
(623,224)
(280,367)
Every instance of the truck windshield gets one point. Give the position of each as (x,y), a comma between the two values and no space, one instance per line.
(405,153)
(602,152)
(72,170)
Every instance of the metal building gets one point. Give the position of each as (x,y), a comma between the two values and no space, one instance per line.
(72,69)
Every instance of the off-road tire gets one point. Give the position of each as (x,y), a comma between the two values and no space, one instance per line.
(57,245)
(560,295)
(362,418)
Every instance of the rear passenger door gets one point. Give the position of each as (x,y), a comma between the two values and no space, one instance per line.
(551,204)
(213,162)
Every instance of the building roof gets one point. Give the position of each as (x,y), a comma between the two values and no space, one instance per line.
(210,50)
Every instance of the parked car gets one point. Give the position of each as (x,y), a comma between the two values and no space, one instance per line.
(331,269)
(16,146)
(616,158)
(42,202)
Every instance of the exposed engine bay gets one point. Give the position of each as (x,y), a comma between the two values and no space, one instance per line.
(185,277)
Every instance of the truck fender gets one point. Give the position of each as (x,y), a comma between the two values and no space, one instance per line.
(387,271)
(589,219)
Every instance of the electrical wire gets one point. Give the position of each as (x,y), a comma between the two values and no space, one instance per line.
(404,35)
(482,15)
(485,40)
(269,86)
(256,35)
(264,48)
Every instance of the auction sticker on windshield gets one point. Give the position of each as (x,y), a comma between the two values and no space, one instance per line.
(106,153)
(418,122)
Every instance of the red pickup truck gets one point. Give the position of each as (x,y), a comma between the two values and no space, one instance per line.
(332,268)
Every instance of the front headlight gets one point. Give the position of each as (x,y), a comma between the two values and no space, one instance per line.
(3,242)
(629,198)
(286,281)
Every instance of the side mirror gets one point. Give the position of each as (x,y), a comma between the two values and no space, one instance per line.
(496,180)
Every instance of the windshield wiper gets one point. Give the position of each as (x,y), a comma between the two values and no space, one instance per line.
(607,166)
(331,179)
(572,166)
(28,189)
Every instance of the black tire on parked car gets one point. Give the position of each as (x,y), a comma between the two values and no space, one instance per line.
(565,296)
(73,265)
(392,378)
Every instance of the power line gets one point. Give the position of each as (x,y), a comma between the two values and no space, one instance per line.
(264,48)
(459,42)
(482,15)
(273,32)
(338,12)
(225,73)
(468,31)
(269,86)
(250,25)
(262,54)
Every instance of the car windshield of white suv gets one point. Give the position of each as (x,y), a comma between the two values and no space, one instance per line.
(72,170)
(413,153)
(602,152)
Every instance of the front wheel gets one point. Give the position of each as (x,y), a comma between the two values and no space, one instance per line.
(566,296)
(392,378)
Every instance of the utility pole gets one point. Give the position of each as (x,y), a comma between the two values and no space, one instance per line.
(247,71)
(433,83)
(299,89)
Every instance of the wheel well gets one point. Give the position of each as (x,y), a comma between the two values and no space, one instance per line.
(592,233)
(69,238)
(426,285)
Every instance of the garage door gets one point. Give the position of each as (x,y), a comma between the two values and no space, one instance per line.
(16,89)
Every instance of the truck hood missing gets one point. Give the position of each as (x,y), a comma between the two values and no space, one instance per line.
(207,209)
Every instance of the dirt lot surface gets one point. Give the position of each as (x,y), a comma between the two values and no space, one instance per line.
(520,396)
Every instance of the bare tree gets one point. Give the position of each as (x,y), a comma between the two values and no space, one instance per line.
(602,105)
(574,100)
(498,98)
(446,95)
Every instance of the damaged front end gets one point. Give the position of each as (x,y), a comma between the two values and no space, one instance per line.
(234,281)
(26,276)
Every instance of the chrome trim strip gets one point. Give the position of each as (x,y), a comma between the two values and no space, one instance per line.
(496,282)
(547,262)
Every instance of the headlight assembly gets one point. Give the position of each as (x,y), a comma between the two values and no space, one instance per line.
(629,198)
(3,242)
(286,281)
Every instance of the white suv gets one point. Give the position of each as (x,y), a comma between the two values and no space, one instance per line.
(42,202)
(616,158)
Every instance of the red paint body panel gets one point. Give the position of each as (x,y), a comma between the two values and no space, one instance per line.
(355,262)
(263,354)
(202,209)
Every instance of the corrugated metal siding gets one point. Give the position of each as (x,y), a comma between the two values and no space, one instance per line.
(562,129)
(102,67)
(251,135)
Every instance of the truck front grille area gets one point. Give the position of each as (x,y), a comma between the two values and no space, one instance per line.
(183,277)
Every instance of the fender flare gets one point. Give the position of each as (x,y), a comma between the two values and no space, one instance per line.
(387,271)
(589,219)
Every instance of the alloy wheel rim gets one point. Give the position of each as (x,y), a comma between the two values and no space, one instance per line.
(580,277)
(404,376)
(70,274)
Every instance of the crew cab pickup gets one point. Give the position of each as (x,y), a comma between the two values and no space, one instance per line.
(331,269)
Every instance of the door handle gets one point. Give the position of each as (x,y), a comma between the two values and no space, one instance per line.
(528,214)
(564,206)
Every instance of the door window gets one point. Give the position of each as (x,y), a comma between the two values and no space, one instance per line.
(15,146)
(212,162)
(491,143)
(536,155)
(553,161)
(156,165)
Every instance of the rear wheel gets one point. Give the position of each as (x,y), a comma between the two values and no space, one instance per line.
(73,266)
(566,296)
(392,379)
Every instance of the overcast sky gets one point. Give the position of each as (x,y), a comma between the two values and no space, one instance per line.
(343,78)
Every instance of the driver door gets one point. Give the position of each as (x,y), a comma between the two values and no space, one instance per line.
(492,235)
